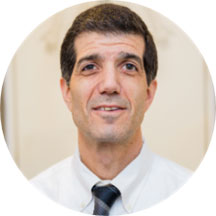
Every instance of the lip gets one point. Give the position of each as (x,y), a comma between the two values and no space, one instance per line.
(112,107)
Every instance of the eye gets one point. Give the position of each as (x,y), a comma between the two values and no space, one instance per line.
(130,67)
(89,67)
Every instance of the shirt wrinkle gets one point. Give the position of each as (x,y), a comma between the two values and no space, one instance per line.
(134,173)
(148,179)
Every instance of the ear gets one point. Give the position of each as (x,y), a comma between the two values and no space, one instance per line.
(151,90)
(66,93)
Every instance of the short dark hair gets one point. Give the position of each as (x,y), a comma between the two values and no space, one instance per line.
(108,18)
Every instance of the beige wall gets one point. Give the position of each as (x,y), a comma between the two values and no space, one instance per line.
(40,131)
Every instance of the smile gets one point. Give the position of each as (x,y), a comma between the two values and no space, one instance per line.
(108,108)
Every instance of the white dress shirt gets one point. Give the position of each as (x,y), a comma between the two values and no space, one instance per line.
(147,180)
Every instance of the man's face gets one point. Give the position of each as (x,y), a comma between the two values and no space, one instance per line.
(108,92)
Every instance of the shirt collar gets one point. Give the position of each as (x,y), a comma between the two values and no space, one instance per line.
(128,181)
(86,180)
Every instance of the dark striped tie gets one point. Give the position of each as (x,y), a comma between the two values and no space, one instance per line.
(104,197)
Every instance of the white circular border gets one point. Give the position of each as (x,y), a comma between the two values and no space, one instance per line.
(19,18)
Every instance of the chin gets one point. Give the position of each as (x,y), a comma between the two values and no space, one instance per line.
(107,139)
(111,137)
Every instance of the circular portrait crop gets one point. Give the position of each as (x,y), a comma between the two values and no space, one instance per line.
(107,108)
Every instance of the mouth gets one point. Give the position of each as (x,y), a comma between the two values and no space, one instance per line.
(109,108)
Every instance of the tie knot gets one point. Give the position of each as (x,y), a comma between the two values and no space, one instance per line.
(105,196)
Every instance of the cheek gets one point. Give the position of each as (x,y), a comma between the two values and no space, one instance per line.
(77,99)
(81,92)
(136,94)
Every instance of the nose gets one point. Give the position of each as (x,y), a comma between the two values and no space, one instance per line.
(109,83)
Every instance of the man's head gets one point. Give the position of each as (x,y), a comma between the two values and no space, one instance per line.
(109,63)
(108,18)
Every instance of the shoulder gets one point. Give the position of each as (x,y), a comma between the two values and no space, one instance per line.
(163,178)
(49,180)
(169,172)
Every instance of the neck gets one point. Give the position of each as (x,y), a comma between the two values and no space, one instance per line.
(107,160)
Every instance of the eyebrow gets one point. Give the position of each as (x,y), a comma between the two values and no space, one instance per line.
(122,55)
(92,57)
(126,55)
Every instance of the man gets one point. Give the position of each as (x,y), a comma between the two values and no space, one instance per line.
(109,65)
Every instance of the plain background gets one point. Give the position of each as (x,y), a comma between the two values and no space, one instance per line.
(39,129)
(194,202)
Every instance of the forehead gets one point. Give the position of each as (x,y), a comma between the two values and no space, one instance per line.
(108,44)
